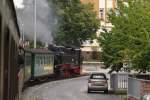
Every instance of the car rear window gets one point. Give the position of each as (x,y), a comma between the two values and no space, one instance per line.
(98,76)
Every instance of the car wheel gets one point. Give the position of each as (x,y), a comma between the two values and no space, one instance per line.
(106,91)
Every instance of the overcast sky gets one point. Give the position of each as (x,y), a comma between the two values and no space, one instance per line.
(19,3)
(46,20)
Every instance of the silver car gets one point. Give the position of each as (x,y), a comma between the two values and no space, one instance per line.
(98,82)
(146,97)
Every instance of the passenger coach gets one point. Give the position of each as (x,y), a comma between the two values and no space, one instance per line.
(9,39)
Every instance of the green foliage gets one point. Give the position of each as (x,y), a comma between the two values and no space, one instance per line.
(129,38)
(78,21)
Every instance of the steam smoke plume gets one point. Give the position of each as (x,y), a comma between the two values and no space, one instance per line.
(46,20)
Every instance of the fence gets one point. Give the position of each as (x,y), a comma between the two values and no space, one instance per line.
(133,88)
(119,82)
(137,88)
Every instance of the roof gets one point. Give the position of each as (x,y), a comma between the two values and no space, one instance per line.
(38,51)
(15,16)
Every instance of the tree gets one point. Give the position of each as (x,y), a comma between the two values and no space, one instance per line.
(79,22)
(129,38)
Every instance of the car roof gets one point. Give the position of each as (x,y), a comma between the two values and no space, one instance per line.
(97,74)
(147,96)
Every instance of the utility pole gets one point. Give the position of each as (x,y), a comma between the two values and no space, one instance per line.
(22,32)
(34,23)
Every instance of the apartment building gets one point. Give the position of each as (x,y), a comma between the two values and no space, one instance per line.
(102,7)
(95,3)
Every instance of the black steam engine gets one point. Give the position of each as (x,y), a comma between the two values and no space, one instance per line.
(67,61)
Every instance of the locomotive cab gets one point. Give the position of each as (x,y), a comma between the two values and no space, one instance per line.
(67,61)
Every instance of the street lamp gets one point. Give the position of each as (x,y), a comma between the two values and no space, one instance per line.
(34,23)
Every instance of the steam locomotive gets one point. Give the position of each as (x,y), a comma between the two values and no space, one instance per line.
(56,62)
(67,61)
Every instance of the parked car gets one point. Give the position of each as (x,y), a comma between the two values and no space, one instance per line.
(97,82)
(146,97)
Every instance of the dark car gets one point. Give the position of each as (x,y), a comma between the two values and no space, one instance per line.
(98,82)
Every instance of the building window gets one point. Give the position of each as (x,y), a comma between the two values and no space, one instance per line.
(87,52)
(102,13)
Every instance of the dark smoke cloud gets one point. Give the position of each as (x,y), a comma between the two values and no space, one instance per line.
(46,20)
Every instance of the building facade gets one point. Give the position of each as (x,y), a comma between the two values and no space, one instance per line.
(102,7)
(95,3)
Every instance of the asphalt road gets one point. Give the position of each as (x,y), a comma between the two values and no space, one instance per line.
(70,89)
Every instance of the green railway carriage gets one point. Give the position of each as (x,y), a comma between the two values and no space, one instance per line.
(39,63)
(42,63)
(27,66)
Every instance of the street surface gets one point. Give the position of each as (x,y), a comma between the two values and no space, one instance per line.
(69,89)
(94,67)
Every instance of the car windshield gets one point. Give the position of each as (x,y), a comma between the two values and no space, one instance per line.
(146,97)
(98,76)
